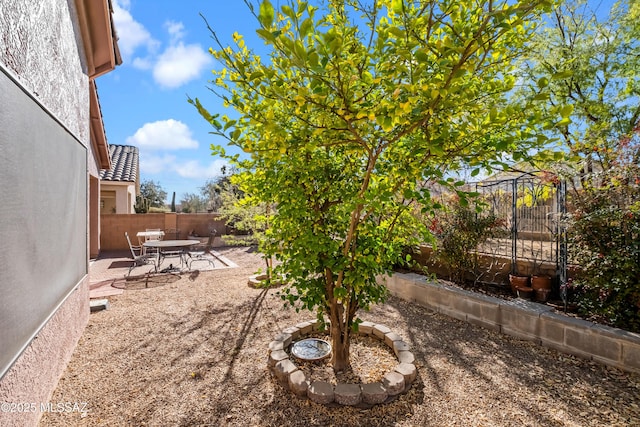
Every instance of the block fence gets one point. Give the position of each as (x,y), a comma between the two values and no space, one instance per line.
(113,226)
(523,319)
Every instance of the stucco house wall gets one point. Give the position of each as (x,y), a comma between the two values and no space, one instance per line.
(121,183)
(39,45)
(118,197)
(44,49)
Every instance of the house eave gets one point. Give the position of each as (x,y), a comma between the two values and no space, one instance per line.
(99,36)
(98,134)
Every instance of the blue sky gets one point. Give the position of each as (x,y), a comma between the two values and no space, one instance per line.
(164,45)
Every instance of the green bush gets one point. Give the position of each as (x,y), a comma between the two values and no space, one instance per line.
(605,241)
(458,231)
(604,234)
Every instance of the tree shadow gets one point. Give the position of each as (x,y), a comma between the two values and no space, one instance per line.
(148,281)
(247,325)
(496,362)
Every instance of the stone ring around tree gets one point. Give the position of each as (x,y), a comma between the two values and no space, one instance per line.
(362,395)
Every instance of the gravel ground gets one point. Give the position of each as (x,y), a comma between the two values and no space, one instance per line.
(192,351)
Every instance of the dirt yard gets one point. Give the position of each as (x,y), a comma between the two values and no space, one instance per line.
(191,350)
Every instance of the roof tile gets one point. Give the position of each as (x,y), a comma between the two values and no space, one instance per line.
(124,164)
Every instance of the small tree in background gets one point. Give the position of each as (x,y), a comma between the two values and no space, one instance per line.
(593,65)
(357,108)
(192,203)
(212,191)
(152,195)
(247,214)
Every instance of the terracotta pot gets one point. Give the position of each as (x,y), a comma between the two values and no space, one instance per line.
(524,292)
(540,282)
(542,295)
(516,281)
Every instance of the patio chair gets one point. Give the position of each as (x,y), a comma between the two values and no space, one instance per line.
(157,237)
(173,233)
(202,253)
(139,258)
(146,250)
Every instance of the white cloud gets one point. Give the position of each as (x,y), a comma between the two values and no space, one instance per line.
(150,164)
(142,63)
(193,169)
(169,166)
(131,33)
(179,64)
(175,30)
(164,135)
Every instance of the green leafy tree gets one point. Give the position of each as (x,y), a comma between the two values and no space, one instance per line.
(192,203)
(243,212)
(247,214)
(153,193)
(593,67)
(358,108)
(210,192)
(213,190)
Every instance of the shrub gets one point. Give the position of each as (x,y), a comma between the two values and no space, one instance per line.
(604,235)
(458,231)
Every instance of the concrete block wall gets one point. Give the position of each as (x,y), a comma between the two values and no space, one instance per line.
(523,319)
(494,268)
(201,223)
(113,226)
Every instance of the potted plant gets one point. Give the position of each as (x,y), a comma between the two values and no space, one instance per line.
(516,281)
(540,283)
(524,292)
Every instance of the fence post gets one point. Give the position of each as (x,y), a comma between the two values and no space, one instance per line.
(514,225)
(562,241)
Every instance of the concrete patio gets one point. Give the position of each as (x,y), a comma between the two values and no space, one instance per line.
(110,271)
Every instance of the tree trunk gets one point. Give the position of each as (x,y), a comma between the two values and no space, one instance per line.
(340,343)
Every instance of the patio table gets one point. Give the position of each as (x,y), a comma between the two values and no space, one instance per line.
(168,248)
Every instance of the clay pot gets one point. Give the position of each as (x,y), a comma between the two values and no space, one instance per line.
(542,295)
(524,292)
(518,281)
(540,282)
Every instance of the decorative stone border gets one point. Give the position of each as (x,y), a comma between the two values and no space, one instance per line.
(393,383)
(256,280)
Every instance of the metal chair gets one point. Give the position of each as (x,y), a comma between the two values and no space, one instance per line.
(173,233)
(139,258)
(158,236)
(202,253)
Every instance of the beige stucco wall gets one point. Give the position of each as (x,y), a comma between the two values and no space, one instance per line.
(39,44)
(41,47)
(36,373)
(118,197)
